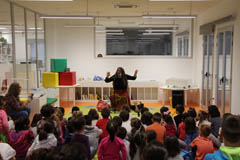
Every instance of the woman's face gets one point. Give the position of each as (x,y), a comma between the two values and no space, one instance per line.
(119,72)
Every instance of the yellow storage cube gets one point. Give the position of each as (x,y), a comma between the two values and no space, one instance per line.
(50,79)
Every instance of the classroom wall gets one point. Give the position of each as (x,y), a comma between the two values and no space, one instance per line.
(224,8)
(77,45)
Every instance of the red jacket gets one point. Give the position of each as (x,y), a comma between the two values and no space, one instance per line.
(170,130)
(181,131)
(101,124)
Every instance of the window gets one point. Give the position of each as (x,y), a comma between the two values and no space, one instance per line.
(183,46)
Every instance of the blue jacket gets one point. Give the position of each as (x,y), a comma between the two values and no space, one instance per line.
(225,153)
(216,156)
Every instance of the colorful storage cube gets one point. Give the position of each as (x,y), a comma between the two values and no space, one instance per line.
(58,65)
(67,78)
(50,79)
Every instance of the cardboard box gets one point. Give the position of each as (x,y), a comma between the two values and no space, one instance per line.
(50,79)
(67,78)
(58,65)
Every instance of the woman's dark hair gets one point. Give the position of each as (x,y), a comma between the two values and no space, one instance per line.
(105,112)
(21,124)
(213,111)
(137,125)
(14,90)
(38,154)
(112,129)
(168,119)
(147,118)
(124,115)
(37,117)
(75,108)
(122,132)
(123,76)
(155,151)
(138,140)
(231,129)
(118,120)
(47,111)
(180,109)
(88,120)
(150,136)
(2,100)
(190,125)
(172,145)
(48,127)
(192,112)
(79,123)
(94,114)
(202,116)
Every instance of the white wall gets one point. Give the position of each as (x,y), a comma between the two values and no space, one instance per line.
(77,45)
(224,8)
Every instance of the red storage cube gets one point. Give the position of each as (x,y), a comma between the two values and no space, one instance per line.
(67,78)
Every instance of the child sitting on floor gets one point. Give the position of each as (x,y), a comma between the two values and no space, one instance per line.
(102,123)
(191,131)
(4,127)
(170,126)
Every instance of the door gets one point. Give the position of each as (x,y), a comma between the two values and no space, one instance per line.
(224,68)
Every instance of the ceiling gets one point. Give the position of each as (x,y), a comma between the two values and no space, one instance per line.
(105,7)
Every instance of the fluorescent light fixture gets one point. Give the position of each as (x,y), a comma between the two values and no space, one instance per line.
(35,28)
(159,30)
(159,25)
(168,16)
(146,34)
(115,33)
(3,28)
(180,0)
(82,26)
(115,30)
(66,17)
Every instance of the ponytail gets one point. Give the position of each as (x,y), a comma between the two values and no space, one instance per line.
(112,128)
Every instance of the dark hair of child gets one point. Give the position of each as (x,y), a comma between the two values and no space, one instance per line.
(172,145)
(124,115)
(126,108)
(2,101)
(192,112)
(150,136)
(157,117)
(185,115)
(94,114)
(147,118)
(213,111)
(164,109)
(118,120)
(21,124)
(190,125)
(202,116)
(62,110)
(88,120)
(70,127)
(231,130)
(155,151)
(48,127)
(137,141)
(79,123)
(168,119)
(112,129)
(75,108)
(38,154)
(105,112)
(37,117)
(179,109)
(205,130)
(137,125)
(73,151)
(144,109)
(122,132)
(47,111)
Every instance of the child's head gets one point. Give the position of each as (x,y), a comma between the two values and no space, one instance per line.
(231,131)
(48,127)
(37,117)
(2,102)
(205,130)
(147,118)
(168,119)
(118,120)
(38,154)
(62,110)
(88,120)
(75,109)
(179,109)
(59,114)
(122,132)
(185,115)
(73,151)
(190,125)
(133,120)
(213,111)
(192,112)
(77,114)
(144,109)
(137,142)
(157,117)
(70,126)
(79,123)
(22,123)
(105,112)
(163,110)
(155,151)
(126,108)
(150,136)
(94,114)
(202,115)
(47,111)
(112,129)
(124,115)
(172,145)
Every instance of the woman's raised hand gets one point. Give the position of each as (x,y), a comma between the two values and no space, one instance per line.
(136,72)
(108,74)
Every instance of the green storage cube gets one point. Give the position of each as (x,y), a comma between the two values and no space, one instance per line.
(58,65)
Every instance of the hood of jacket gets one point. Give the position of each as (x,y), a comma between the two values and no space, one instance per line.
(233,153)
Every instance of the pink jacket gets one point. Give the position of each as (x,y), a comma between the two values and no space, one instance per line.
(4,127)
(108,150)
